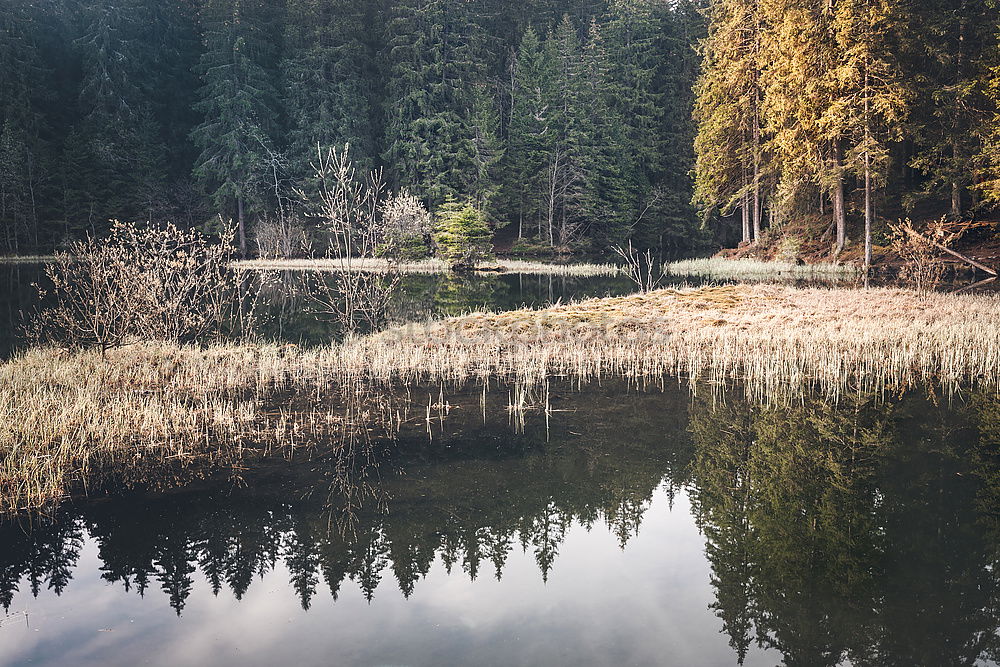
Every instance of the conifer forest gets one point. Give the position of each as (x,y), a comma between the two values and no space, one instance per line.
(679,125)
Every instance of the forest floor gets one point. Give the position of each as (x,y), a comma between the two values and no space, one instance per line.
(86,420)
(810,241)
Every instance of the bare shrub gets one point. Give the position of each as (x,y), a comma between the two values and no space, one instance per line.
(641,268)
(923,267)
(406,226)
(138,283)
(350,206)
(282,238)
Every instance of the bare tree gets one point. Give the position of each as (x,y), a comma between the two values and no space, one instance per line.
(350,205)
(641,268)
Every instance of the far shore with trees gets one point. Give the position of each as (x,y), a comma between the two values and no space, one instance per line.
(797,130)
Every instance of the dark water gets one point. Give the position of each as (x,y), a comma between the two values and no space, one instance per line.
(289,311)
(18,296)
(655,528)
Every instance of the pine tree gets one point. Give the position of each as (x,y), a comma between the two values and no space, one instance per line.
(238,102)
(326,70)
(729,142)
(435,63)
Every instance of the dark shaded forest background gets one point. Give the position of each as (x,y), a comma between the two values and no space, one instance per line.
(574,124)
(565,120)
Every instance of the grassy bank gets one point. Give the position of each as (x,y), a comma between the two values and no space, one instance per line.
(25,259)
(73,419)
(719,268)
(375,265)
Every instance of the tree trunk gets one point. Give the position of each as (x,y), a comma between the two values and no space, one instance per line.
(756,173)
(868,216)
(242,229)
(956,188)
(868,183)
(839,209)
(745,212)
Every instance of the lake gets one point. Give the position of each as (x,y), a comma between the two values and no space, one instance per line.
(671,526)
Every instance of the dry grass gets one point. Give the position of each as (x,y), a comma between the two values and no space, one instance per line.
(720,268)
(377,265)
(26,259)
(71,416)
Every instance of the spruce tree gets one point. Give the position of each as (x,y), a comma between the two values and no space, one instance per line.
(23,124)
(567,202)
(238,101)
(873,101)
(435,63)
(667,219)
(801,85)
(613,169)
(326,73)
(729,143)
(946,68)
(530,133)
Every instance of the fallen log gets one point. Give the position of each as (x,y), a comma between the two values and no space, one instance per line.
(953,253)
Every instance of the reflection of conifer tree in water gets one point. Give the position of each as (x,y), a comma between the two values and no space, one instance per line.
(45,553)
(212,557)
(456,294)
(497,544)
(845,532)
(13,557)
(334,559)
(625,518)
(940,599)
(545,532)
(493,490)
(412,547)
(472,553)
(254,546)
(175,563)
(721,504)
(787,498)
(814,525)
(127,545)
(370,561)
(302,560)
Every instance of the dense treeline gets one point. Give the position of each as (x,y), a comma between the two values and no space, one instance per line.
(848,109)
(572,123)
(568,121)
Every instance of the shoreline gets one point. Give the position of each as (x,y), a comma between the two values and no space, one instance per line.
(426,266)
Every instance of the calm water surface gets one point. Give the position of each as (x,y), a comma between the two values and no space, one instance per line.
(654,528)
(634,529)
